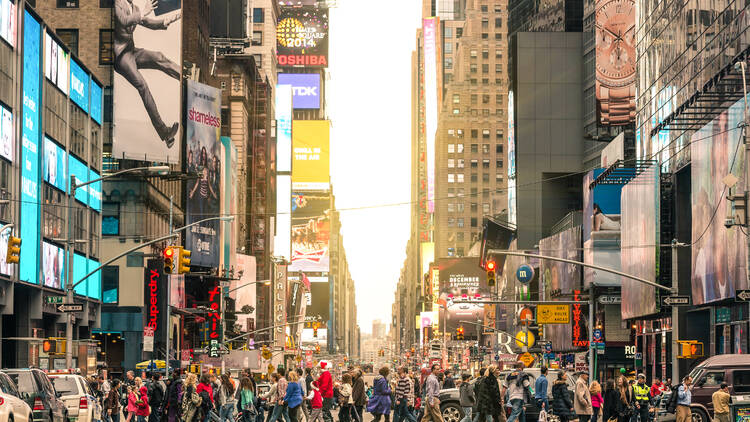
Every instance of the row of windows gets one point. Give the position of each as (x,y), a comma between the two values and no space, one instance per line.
(485,67)
(73,4)
(459,177)
(459,148)
(459,222)
(474,207)
(459,163)
(475,98)
(474,134)
(486,53)
(476,112)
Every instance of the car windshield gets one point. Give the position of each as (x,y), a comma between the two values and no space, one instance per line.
(65,385)
(23,381)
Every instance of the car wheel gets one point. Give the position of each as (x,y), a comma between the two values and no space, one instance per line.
(698,415)
(451,412)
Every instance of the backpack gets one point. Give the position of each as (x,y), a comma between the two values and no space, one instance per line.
(672,403)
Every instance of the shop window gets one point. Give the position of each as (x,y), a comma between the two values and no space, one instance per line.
(741,381)
(110,283)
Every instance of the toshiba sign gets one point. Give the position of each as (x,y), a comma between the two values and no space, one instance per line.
(305,89)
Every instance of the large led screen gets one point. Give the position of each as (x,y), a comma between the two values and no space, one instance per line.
(55,165)
(53,266)
(302,37)
(31,134)
(601,230)
(311,231)
(461,279)
(148,66)
(305,89)
(96,102)
(512,217)
(56,62)
(311,154)
(615,61)
(7,133)
(718,253)
(8,21)
(79,86)
(640,243)
(245,297)
(318,300)
(91,286)
(94,191)
(429,29)
(81,173)
(203,124)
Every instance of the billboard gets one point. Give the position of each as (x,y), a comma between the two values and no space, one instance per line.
(155,300)
(306,92)
(229,202)
(79,86)
(601,230)
(718,253)
(53,266)
(148,65)
(462,279)
(55,165)
(245,297)
(31,136)
(56,62)
(512,217)
(311,231)
(311,159)
(7,133)
(90,287)
(96,102)
(302,37)
(318,299)
(640,242)
(78,169)
(202,130)
(615,62)
(5,268)
(429,30)
(8,25)
(560,279)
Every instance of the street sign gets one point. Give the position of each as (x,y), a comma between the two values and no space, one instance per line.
(148,339)
(743,295)
(70,308)
(54,299)
(527,359)
(597,335)
(609,300)
(677,300)
(524,273)
(552,314)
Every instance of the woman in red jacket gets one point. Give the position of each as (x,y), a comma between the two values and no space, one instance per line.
(138,400)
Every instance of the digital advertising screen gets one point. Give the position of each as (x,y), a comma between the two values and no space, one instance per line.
(640,242)
(512,217)
(429,29)
(305,89)
(8,25)
(302,37)
(601,230)
(311,159)
(56,62)
(7,133)
(311,231)
(318,300)
(53,265)
(202,130)
(718,254)
(461,279)
(283,128)
(55,165)
(94,191)
(96,102)
(559,279)
(147,83)
(79,86)
(615,61)
(30,145)
(81,172)
(245,297)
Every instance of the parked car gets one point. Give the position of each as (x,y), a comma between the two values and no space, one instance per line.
(12,408)
(708,376)
(36,389)
(452,412)
(76,394)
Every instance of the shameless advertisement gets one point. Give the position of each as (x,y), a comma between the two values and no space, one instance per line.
(311,231)
(203,124)
(718,255)
(148,68)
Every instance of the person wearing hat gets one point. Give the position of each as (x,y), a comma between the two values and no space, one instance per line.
(642,397)
(582,401)
(325,385)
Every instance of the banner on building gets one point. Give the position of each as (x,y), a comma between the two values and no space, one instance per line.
(202,129)
(615,62)
(147,81)
(311,155)
(311,231)
(601,230)
(279,305)
(155,301)
(302,37)
(305,89)
(245,297)
(559,279)
(461,279)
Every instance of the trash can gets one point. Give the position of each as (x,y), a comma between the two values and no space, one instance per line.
(739,408)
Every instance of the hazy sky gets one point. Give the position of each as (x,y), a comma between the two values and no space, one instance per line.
(369,98)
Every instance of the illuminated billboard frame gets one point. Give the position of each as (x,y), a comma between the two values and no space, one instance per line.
(7,133)
(305,89)
(302,37)
(429,30)
(56,62)
(311,159)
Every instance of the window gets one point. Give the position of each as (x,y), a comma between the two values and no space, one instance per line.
(473,207)
(448,32)
(499,164)
(460,251)
(485,23)
(485,112)
(498,98)
(473,68)
(485,133)
(451,192)
(485,54)
(451,148)
(485,208)
(106,53)
(448,48)
(460,207)
(498,22)
(500,112)
(485,148)
(473,98)
(498,68)
(451,178)
(486,98)
(485,193)
(499,178)
(474,178)
(498,8)
(498,54)
(456,100)
(110,283)
(460,148)
(485,36)
(473,81)
(106,4)
(456,111)
(460,133)
(67,4)
(451,163)
(498,81)
(485,68)
(257,38)
(448,62)
(474,133)
(498,36)
(460,163)
(460,178)
(741,381)
(451,207)
(486,177)
(474,149)
(485,9)
(459,32)
(258,15)
(460,222)
(474,164)
(711,379)
(110,219)
(460,236)
(485,81)
(485,163)
(70,38)
(451,221)
(499,147)
(473,221)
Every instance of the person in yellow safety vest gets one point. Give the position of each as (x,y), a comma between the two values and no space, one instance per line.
(642,398)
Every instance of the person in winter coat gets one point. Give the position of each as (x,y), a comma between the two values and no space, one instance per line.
(141,401)
(561,403)
(626,403)
(611,398)
(596,400)
(174,393)
(111,405)
(582,400)
(325,385)
(404,396)
(191,401)
(490,401)
(358,393)
(246,400)
(156,397)
(380,402)
(294,396)
(466,397)
(345,398)
(316,403)
(226,404)
(477,393)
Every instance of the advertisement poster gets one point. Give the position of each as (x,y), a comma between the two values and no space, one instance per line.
(7,133)
(718,255)
(601,230)
(245,297)
(318,299)
(53,266)
(512,217)
(56,61)
(203,125)
(311,154)
(79,86)
(615,62)
(429,29)
(461,279)
(311,230)
(560,279)
(302,37)
(148,66)
(8,25)
(306,92)
(30,150)
(5,268)
(55,165)
(155,296)
(640,242)
(229,202)
(96,102)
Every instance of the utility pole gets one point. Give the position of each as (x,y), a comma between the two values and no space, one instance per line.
(169,293)
(675,315)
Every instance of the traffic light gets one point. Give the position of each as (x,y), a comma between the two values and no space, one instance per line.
(14,249)
(315,332)
(169,260)
(490,266)
(460,333)
(49,346)
(183,261)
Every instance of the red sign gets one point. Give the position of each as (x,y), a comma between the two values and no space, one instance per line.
(309,358)
(580,335)
(214,317)
(300,60)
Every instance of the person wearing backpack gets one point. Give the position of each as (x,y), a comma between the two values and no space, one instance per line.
(684,399)
(467,400)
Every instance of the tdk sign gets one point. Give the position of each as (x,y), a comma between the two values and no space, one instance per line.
(305,89)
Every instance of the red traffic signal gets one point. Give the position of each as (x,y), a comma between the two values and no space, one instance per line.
(490,266)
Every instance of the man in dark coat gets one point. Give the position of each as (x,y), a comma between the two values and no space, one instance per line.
(489,400)
(358,392)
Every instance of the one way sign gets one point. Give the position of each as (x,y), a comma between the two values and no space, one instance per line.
(743,295)
(677,301)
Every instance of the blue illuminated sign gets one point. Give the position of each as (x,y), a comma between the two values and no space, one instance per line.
(95,192)
(79,86)
(92,286)
(96,102)
(81,172)
(30,139)
(305,89)
(54,165)
(95,281)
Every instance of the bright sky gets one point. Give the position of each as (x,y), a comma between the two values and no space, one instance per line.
(368,102)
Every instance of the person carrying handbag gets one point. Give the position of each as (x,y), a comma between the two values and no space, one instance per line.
(627,400)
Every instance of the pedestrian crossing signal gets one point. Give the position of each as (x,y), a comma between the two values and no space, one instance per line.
(183,261)
(490,266)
